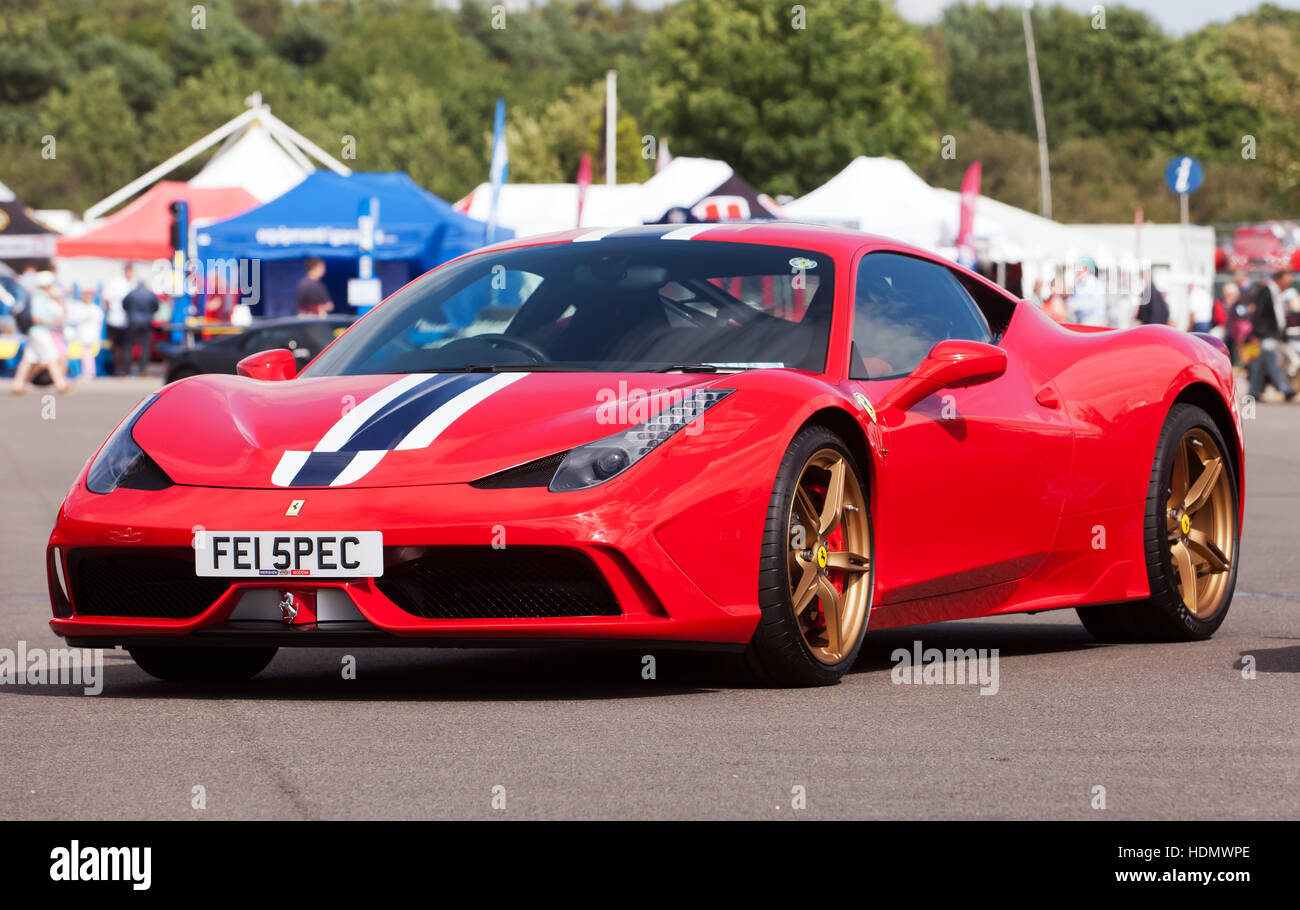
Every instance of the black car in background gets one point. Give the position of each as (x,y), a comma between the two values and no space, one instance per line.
(305,336)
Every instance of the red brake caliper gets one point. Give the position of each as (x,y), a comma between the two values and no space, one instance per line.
(834,544)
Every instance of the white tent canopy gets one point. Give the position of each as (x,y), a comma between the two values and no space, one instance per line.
(884,196)
(257,162)
(682,183)
(286,142)
(539,208)
(1016,235)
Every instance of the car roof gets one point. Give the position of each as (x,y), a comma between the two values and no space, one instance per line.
(830,239)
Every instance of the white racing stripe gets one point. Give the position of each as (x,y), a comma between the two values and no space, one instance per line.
(595,235)
(291,463)
(358,467)
(352,421)
(427,430)
(686,233)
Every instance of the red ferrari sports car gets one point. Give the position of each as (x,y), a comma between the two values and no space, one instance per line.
(756,437)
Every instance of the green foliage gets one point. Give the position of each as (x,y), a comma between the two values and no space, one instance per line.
(31,64)
(123,84)
(96,141)
(548,148)
(305,35)
(144,78)
(789,103)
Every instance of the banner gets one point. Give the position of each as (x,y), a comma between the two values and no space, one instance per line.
(970,192)
(584,181)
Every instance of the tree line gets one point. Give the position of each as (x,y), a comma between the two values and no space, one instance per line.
(94,92)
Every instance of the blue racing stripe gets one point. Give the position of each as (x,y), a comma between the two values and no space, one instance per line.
(320,468)
(401,415)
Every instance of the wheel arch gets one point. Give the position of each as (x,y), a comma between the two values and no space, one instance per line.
(1210,400)
(843,424)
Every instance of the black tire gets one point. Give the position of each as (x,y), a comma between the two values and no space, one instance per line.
(177,663)
(1163,616)
(777,654)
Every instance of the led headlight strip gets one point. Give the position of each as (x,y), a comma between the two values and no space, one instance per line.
(122,463)
(599,461)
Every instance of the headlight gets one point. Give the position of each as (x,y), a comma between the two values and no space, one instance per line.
(122,463)
(599,461)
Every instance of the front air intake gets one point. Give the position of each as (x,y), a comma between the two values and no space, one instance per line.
(533,474)
(156,583)
(485,583)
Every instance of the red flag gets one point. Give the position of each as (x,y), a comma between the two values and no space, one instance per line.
(584,181)
(970,192)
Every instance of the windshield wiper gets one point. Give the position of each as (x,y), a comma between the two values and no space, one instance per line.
(693,368)
(513,368)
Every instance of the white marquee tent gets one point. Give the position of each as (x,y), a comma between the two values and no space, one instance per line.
(257,162)
(883,196)
(539,208)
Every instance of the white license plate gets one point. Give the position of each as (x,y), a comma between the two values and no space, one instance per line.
(272,554)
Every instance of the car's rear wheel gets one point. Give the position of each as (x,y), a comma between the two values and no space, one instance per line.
(815,577)
(1191,536)
(177,663)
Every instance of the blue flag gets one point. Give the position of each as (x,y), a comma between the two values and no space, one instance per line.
(500,167)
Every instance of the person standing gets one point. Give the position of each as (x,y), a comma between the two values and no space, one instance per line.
(1036,296)
(1235,321)
(1088,302)
(85,320)
(1154,310)
(41,350)
(115,315)
(313,296)
(1200,308)
(1268,323)
(140,305)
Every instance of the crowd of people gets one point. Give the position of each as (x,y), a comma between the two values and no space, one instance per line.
(1250,315)
(54,319)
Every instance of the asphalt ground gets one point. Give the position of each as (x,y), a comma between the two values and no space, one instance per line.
(1169,731)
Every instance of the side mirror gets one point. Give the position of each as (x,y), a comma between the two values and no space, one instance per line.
(955,362)
(272,365)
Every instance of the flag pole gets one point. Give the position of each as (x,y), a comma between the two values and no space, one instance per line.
(611,126)
(1036,89)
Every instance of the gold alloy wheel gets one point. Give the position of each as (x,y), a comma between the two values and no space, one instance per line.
(829,559)
(1201,523)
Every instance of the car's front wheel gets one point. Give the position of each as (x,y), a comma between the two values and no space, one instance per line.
(177,663)
(815,577)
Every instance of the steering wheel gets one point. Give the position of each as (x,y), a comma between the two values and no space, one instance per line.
(695,317)
(496,339)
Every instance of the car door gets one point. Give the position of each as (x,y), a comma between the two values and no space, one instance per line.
(972,479)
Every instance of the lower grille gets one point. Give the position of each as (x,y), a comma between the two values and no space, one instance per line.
(155,583)
(510,583)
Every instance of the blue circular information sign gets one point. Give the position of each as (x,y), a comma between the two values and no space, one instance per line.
(1184,175)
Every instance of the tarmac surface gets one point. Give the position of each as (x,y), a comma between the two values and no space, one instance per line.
(1169,731)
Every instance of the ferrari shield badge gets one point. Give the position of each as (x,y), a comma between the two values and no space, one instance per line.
(865,403)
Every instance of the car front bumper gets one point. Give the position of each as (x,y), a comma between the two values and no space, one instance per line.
(660,563)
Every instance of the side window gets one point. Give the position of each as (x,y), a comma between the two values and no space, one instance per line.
(904,306)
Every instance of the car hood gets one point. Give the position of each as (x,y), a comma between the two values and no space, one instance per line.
(382,431)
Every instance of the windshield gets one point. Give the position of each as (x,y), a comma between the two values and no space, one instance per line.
(619,305)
